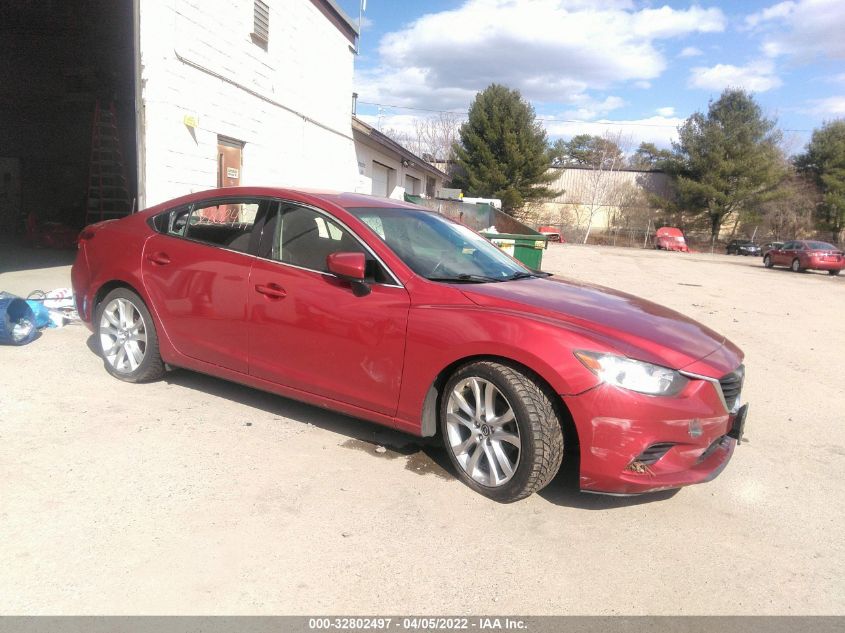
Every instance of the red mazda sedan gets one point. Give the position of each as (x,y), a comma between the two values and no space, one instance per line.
(801,255)
(391,313)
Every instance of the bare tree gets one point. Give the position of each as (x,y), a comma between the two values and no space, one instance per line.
(601,186)
(433,138)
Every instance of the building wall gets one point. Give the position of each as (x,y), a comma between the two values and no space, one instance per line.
(288,104)
(577,186)
(367,153)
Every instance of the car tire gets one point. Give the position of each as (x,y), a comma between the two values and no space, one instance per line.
(506,451)
(796,266)
(767,262)
(126,337)
(834,272)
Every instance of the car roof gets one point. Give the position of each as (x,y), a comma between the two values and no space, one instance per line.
(346,200)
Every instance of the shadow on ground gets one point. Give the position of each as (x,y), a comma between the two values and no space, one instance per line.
(15,257)
(423,456)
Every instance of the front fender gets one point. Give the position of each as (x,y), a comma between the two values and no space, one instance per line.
(473,331)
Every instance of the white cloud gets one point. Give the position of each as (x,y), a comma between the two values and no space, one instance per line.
(551,50)
(644,85)
(836,79)
(803,29)
(592,109)
(659,130)
(691,51)
(828,107)
(666,112)
(757,76)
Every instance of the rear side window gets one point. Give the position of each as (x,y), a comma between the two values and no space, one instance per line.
(225,223)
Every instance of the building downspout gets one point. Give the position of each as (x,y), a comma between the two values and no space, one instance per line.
(140,132)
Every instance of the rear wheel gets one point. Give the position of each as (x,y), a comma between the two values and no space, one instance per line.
(767,262)
(796,266)
(833,272)
(500,430)
(127,338)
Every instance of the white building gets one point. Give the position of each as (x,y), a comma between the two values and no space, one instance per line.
(237,92)
(205,93)
(387,169)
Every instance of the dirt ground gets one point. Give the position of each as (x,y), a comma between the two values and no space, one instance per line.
(196,496)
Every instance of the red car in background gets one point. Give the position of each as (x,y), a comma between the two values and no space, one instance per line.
(669,238)
(394,314)
(552,232)
(801,255)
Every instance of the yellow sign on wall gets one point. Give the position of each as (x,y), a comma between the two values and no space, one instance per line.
(191,120)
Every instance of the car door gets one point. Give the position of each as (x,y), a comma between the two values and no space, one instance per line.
(782,255)
(196,272)
(309,330)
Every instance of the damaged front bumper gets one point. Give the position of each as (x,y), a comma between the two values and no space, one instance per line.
(633,443)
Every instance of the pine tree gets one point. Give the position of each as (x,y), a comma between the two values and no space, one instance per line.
(728,160)
(503,150)
(825,162)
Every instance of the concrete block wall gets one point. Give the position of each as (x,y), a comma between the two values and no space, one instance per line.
(289,104)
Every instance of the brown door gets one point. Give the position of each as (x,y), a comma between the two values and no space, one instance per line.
(229,166)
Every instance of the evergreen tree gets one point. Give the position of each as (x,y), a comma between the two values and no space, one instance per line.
(648,156)
(727,160)
(586,150)
(503,151)
(825,162)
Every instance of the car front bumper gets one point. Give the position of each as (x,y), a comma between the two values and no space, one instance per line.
(632,443)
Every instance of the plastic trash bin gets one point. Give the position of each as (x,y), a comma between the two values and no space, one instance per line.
(526,248)
(17,322)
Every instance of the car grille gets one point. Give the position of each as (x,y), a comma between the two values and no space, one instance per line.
(731,385)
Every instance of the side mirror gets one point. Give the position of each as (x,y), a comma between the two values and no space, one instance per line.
(347,266)
(350,267)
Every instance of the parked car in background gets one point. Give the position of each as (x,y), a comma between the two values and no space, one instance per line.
(743,247)
(392,313)
(553,232)
(669,238)
(801,255)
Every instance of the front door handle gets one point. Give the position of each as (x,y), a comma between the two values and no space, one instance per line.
(272,291)
(158,258)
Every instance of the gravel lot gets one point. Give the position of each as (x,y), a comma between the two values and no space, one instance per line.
(196,496)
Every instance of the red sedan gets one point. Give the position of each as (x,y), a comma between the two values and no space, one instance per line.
(391,313)
(801,255)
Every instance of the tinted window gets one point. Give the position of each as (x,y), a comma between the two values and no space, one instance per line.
(303,237)
(821,246)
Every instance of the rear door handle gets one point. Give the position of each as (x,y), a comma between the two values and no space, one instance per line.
(158,258)
(273,291)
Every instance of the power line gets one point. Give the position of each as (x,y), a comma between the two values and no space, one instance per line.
(545,118)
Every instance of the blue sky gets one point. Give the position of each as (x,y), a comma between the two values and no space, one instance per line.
(596,65)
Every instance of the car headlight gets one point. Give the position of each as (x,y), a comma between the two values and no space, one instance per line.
(632,374)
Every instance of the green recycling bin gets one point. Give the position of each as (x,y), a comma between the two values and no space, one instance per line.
(526,248)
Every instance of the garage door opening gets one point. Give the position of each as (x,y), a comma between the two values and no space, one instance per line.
(64,62)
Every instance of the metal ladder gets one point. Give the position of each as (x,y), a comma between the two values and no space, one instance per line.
(108,194)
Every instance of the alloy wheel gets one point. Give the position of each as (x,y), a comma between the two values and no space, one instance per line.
(123,335)
(482,432)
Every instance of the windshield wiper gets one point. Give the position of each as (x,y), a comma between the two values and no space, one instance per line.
(523,275)
(465,278)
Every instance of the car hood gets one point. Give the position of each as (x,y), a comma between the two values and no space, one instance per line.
(635,327)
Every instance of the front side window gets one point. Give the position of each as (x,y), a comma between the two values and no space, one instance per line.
(305,238)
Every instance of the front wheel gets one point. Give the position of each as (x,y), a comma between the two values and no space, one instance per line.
(767,262)
(796,266)
(833,272)
(127,337)
(500,430)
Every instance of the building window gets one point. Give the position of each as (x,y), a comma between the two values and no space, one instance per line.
(261,24)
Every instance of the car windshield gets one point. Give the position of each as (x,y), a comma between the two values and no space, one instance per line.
(820,246)
(439,249)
